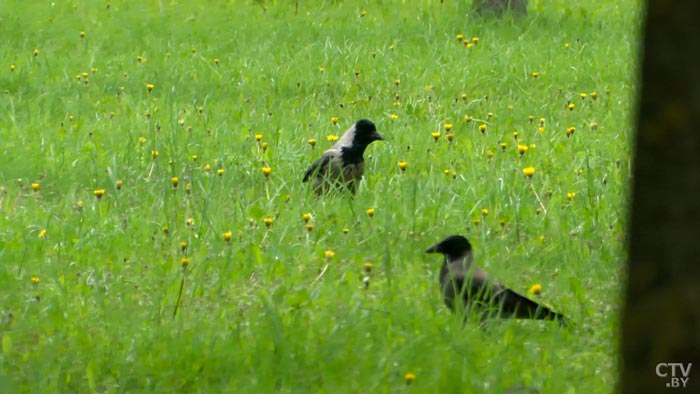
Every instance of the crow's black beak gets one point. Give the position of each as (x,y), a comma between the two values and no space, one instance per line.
(433,249)
(377,137)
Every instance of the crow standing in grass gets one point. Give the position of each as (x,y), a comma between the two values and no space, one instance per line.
(343,165)
(459,278)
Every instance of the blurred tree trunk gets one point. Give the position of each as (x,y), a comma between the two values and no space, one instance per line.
(498,7)
(661,318)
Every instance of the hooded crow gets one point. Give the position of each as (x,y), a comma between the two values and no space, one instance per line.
(343,165)
(460,279)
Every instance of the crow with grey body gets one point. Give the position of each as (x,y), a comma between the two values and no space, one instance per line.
(464,284)
(343,165)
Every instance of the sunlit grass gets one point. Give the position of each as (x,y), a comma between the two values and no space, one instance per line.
(155,234)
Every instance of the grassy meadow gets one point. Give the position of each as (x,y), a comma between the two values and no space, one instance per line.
(143,248)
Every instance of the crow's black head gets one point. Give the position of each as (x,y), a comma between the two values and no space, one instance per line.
(365,133)
(454,246)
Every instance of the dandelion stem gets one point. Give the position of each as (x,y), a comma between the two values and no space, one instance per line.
(179,296)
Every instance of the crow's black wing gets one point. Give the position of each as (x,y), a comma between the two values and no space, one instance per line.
(521,307)
(318,167)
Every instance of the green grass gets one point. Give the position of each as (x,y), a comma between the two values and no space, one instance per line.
(267,311)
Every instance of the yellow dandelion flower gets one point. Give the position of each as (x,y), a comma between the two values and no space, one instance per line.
(522,149)
(264,146)
(175,181)
(476,221)
(322,69)
(227,236)
(571,106)
(535,75)
(449,137)
(207,167)
(541,238)
(266,171)
(329,254)
(409,377)
(334,119)
(570,195)
(346,231)
(594,126)
(154,153)
(367,266)
(36,186)
(310,227)
(536,289)
(312,142)
(489,153)
(530,119)
(35,280)
(484,212)
(566,45)
(268,222)
(374,54)
(403,165)
(482,128)
(119,184)
(184,261)
(220,172)
(436,135)
(583,96)
(332,137)
(529,171)
(540,130)
(475,40)
(149,87)
(515,135)
(36,52)
(306,217)
(394,117)
(467,118)
(460,37)
(463,96)
(142,140)
(446,171)
(42,233)
(538,211)
(99,193)
(166,230)
(370,212)
(258,137)
(503,146)
(570,131)
(183,246)
(448,126)
(489,115)
(363,13)
(594,95)
(189,222)
(216,60)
